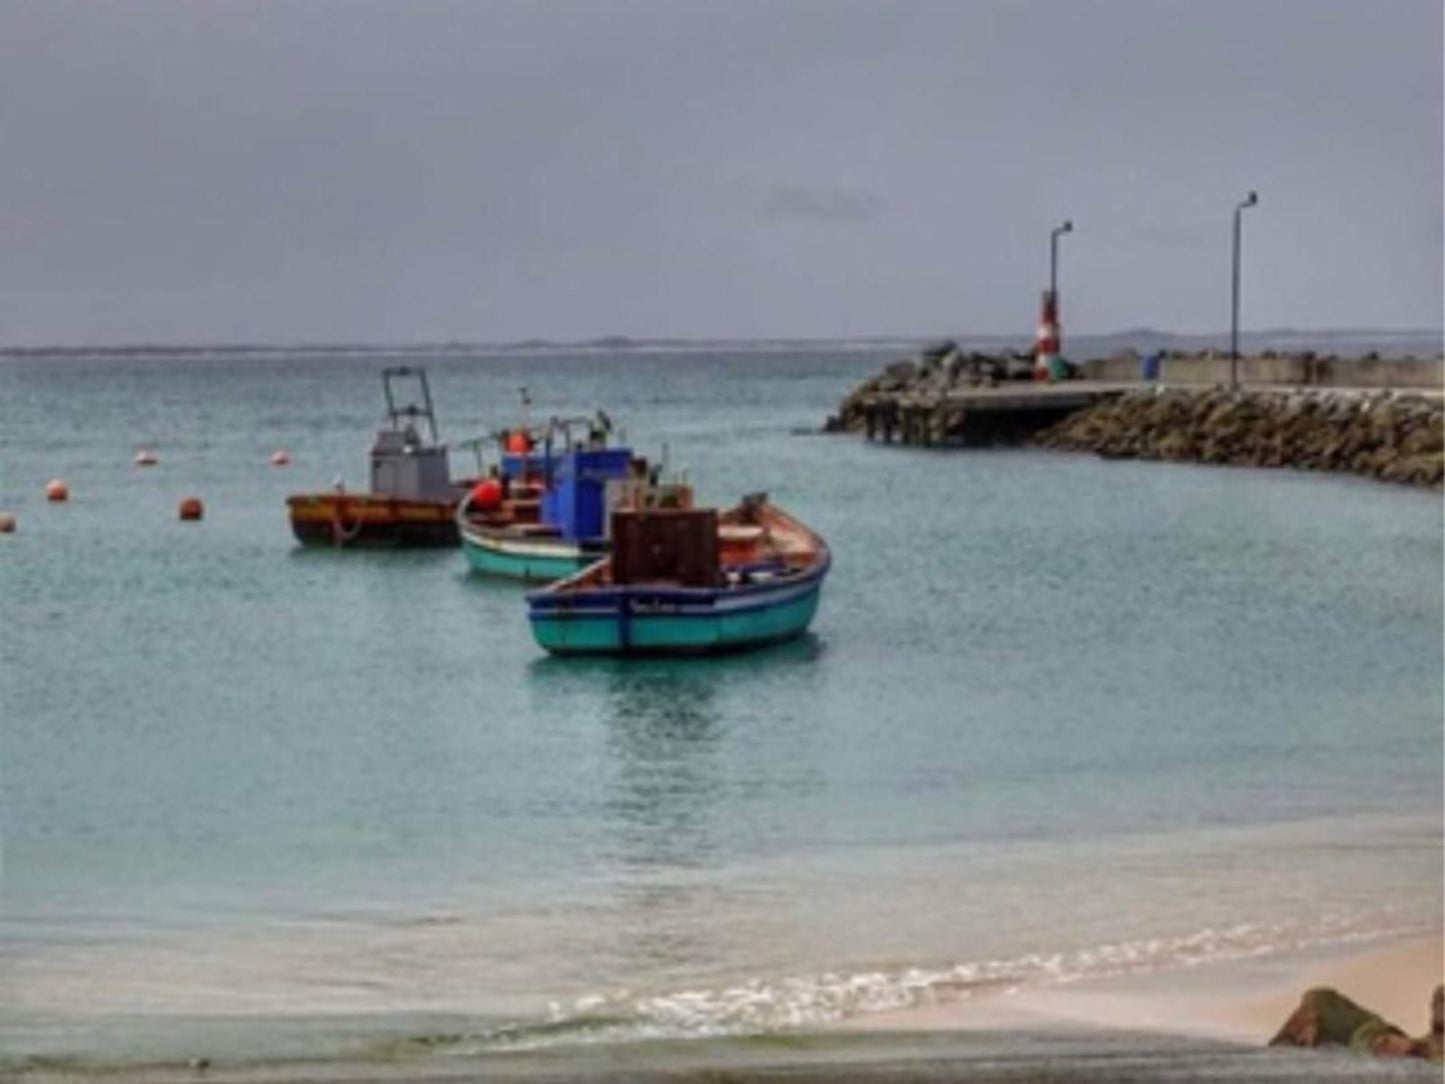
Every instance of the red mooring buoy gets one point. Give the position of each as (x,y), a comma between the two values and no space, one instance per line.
(56,490)
(192,508)
(280,457)
(487,494)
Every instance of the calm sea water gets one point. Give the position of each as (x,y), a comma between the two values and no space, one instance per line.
(1056,717)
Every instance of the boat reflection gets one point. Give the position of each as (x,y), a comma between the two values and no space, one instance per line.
(665,738)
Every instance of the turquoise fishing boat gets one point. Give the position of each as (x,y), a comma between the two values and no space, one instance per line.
(690,581)
(545,521)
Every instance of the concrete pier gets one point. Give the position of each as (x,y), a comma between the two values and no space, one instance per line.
(951,398)
(976,417)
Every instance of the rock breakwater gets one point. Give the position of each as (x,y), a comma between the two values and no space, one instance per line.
(939,370)
(1385,435)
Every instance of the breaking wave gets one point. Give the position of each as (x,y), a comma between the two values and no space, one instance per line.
(805,1002)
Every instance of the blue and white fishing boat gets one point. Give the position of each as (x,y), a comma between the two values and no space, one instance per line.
(688,582)
(543,516)
(528,552)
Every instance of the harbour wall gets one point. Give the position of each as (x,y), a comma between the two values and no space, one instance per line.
(1371,416)
(1305,369)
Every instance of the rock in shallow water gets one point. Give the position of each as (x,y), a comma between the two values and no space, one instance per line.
(1325,1017)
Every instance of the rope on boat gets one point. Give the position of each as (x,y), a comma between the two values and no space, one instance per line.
(340,536)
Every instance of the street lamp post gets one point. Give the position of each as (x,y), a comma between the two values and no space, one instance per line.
(1248,201)
(1067,227)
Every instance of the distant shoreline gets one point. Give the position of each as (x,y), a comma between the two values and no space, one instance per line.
(1401,342)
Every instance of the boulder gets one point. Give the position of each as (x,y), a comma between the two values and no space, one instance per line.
(900,372)
(1326,1018)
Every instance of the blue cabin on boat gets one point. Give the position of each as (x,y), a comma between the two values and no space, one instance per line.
(575,501)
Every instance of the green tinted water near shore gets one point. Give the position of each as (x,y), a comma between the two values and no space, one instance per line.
(1056,717)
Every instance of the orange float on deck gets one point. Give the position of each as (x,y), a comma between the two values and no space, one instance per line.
(280,457)
(739,544)
(487,495)
(518,442)
(192,508)
(57,491)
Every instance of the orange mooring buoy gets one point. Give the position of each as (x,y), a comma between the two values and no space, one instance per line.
(145,458)
(56,490)
(192,508)
(7,523)
(280,457)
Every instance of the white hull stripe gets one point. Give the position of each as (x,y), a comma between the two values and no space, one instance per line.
(510,548)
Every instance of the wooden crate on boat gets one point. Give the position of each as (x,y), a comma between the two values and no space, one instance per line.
(677,546)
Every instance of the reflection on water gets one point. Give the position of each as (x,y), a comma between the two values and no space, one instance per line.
(679,754)
(767,663)
(664,734)
(664,738)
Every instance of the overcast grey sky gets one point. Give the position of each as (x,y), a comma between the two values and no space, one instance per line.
(405,170)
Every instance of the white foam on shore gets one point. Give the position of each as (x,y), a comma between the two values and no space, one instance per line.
(817,1001)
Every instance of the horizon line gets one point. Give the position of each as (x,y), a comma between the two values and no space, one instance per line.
(622,342)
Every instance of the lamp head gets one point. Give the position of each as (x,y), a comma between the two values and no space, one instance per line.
(1251,199)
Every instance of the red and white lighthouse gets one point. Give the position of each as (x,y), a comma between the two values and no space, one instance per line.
(1046,339)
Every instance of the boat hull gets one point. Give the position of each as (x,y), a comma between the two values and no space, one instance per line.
(537,560)
(662,621)
(370,522)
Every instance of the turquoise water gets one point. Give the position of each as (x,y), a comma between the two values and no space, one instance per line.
(1055,717)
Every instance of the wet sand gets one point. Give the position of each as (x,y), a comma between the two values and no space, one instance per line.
(976,1058)
(1242,1001)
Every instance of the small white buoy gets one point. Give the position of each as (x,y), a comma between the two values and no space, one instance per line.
(7,523)
(145,458)
(280,457)
(56,490)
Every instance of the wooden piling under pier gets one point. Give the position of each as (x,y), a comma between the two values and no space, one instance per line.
(977,417)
